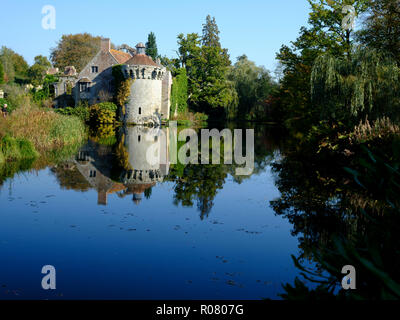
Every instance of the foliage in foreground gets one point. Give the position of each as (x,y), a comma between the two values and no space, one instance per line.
(44,128)
(12,149)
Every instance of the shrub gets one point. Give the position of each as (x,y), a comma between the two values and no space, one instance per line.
(103,113)
(80,111)
(16,97)
(200,117)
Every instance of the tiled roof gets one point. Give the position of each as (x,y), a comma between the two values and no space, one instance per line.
(141,59)
(120,56)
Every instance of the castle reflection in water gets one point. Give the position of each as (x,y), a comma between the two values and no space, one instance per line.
(131,167)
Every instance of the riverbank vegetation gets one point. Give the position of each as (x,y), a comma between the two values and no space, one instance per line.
(339,100)
(30,130)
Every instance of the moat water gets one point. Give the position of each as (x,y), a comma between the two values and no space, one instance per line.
(193,232)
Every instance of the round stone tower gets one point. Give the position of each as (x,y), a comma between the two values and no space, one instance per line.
(145,101)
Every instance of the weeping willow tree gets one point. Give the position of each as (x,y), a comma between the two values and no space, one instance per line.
(348,89)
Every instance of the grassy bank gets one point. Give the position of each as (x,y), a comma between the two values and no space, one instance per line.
(188,119)
(30,131)
(14,149)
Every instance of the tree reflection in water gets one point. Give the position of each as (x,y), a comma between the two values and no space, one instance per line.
(121,168)
(345,211)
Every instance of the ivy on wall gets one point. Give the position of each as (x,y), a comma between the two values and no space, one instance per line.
(122,87)
(179,92)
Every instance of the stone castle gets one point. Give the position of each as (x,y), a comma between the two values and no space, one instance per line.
(149,100)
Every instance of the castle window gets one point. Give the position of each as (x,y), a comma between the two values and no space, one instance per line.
(155,138)
(95,69)
(140,110)
(139,138)
(92,173)
(131,73)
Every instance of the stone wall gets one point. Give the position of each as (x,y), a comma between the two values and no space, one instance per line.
(101,80)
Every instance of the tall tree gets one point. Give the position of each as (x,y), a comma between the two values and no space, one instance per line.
(382,27)
(324,35)
(189,51)
(151,46)
(211,33)
(75,50)
(207,66)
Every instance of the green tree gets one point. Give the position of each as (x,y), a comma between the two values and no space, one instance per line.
(324,35)
(15,66)
(253,85)
(189,50)
(37,71)
(151,46)
(348,90)
(207,65)
(211,33)
(75,50)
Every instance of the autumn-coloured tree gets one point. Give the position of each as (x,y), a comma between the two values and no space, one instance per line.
(75,50)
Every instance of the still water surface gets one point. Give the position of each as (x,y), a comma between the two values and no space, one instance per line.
(190,233)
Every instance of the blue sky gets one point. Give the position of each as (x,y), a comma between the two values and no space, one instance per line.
(257,28)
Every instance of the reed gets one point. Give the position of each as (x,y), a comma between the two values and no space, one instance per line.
(44,128)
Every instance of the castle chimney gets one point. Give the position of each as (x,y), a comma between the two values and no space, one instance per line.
(105,44)
(141,48)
